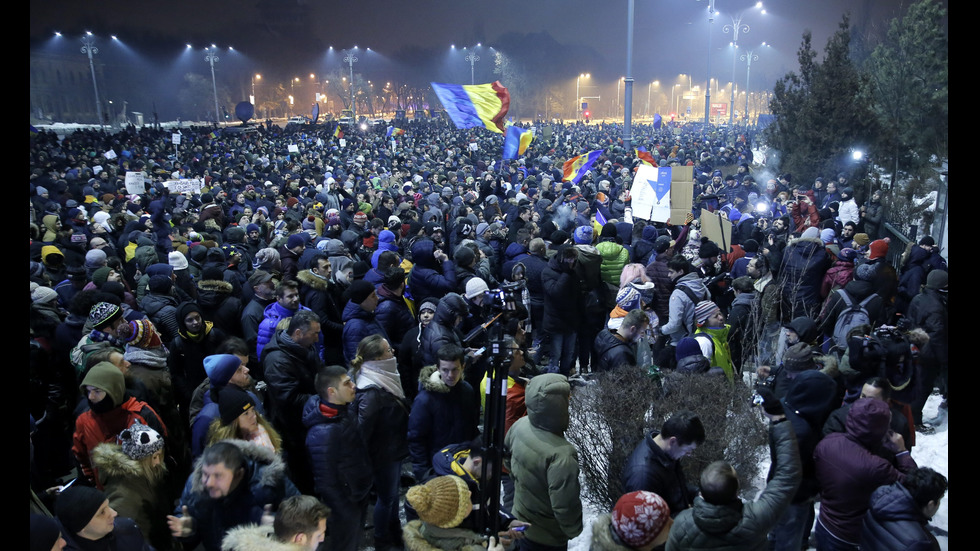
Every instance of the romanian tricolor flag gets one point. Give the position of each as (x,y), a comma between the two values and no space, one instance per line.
(576,167)
(644,156)
(475,105)
(392,131)
(338,133)
(213,135)
(516,140)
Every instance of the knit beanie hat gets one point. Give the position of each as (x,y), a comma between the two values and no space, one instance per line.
(628,298)
(708,249)
(639,517)
(139,441)
(847,254)
(144,335)
(295,240)
(102,314)
(44,532)
(879,248)
(798,358)
(359,291)
(429,305)
(232,402)
(583,235)
(865,272)
(608,231)
(861,239)
(77,505)
(811,233)
(101,275)
(160,284)
(475,287)
(95,257)
(360,218)
(177,260)
(359,269)
(937,279)
(43,295)
(827,235)
(464,256)
(687,347)
(221,367)
(704,310)
(442,501)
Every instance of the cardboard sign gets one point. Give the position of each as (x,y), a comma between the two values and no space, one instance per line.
(110,155)
(474,147)
(293,148)
(175,138)
(717,228)
(136,183)
(343,142)
(181,186)
(651,193)
(97,169)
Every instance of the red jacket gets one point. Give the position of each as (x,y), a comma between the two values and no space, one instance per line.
(92,429)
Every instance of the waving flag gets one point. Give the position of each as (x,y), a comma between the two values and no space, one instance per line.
(338,133)
(644,156)
(392,131)
(475,105)
(576,167)
(516,140)
(658,121)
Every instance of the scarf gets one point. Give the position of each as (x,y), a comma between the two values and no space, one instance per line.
(382,374)
(99,336)
(198,337)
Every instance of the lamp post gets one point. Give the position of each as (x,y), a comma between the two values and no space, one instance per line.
(735,28)
(472,58)
(707,93)
(748,58)
(255,77)
(350,59)
(212,58)
(649,89)
(578,97)
(672,97)
(88,48)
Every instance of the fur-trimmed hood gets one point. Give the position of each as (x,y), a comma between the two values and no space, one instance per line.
(215,286)
(432,381)
(111,462)
(602,535)
(252,537)
(316,282)
(263,466)
(804,240)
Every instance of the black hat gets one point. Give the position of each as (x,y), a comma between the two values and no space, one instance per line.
(77,505)
(232,402)
(359,291)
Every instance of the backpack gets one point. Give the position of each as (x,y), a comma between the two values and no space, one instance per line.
(852,316)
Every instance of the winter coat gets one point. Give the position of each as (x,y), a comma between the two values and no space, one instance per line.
(187,360)
(742,525)
(913,277)
(895,522)
(428,278)
(338,456)
(441,330)
(649,468)
(849,212)
(544,466)
(441,415)
(562,297)
(315,294)
(251,537)
(382,419)
(208,412)
(534,266)
(289,373)
(857,291)
(807,404)
(132,495)
(615,257)
(800,275)
(162,311)
(514,254)
(421,536)
(929,311)
(274,313)
(358,324)
(680,319)
(265,482)
(394,316)
(126,536)
(840,274)
(220,305)
(848,471)
(613,352)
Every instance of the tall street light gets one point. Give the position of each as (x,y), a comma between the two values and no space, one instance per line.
(350,59)
(735,28)
(707,77)
(89,49)
(649,89)
(748,58)
(255,77)
(472,58)
(578,96)
(212,58)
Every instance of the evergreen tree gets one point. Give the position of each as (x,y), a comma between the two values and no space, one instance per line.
(909,79)
(822,111)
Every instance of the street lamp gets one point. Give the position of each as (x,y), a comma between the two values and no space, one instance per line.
(748,58)
(255,77)
(212,58)
(292,95)
(735,27)
(350,59)
(472,58)
(649,89)
(578,97)
(672,97)
(89,49)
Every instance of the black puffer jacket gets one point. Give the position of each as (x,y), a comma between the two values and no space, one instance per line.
(649,468)
(800,275)
(612,352)
(219,305)
(562,295)
(895,522)
(441,329)
(338,456)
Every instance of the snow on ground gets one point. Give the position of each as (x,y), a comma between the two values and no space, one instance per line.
(930,451)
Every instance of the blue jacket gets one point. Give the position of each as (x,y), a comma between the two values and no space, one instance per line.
(202,423)
(441,415)
(358,323)
(338,455)
(427,279)
(265,482)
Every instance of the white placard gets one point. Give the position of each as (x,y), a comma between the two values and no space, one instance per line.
(474,146)
(175,138)
(97,169)
(110,155)
(180,186)
(650,193)
(343,142)
(293,148)
(136,183)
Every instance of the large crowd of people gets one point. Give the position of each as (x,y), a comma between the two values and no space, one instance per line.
(274,331)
